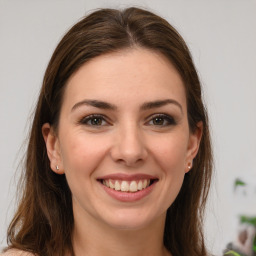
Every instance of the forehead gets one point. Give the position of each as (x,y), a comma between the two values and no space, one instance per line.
(129,75)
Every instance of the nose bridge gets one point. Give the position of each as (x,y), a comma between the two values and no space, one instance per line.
(129,145)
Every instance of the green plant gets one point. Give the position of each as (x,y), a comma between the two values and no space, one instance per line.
(246,238)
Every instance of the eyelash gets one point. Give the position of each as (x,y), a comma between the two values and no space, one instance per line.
(167,120)
(87,119)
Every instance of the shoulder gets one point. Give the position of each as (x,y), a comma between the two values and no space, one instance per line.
(14,252)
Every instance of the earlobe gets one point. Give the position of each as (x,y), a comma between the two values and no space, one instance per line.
(53,149)
(193,145)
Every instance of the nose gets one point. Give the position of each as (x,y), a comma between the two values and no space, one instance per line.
(129,147)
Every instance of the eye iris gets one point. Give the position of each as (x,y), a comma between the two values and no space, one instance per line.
(158,121)
(96,121)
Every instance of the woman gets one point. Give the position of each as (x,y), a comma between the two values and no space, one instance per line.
(119,158)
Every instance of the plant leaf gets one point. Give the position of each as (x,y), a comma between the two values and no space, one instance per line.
(240,183)
(249,220)
(232,253)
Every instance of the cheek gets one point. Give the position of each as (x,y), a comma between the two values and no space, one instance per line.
(170,153)
(81,153)
(171,159)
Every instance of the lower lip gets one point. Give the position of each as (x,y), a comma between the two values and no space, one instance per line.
(129,196)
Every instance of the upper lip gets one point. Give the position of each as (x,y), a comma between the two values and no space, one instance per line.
(128,177)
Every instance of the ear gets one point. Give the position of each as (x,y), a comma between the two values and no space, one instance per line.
(193,145)
(53,148)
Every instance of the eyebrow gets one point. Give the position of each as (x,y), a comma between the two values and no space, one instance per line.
(145,106)
(95,103)
(160,103)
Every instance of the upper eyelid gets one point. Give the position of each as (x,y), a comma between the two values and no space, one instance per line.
(161,115)
(108,120)
(95,115)
(168,119)
(89,117)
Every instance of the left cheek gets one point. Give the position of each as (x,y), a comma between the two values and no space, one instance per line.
(172,157)
(172,160)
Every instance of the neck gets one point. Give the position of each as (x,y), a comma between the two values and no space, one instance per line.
(91,237)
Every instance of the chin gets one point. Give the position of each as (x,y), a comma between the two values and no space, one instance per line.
(133,220)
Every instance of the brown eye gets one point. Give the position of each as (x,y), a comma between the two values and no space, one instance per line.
(94,120)
(158,121)
(162,120)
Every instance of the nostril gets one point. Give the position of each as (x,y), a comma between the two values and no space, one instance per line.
(130,161)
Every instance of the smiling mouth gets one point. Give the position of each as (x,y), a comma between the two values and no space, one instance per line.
(128,186)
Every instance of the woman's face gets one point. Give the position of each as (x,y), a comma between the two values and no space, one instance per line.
(123,138)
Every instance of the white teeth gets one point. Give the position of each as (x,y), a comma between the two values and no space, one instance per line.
(126,186)
(133,186)
(111,184)
(140,185)
(144,184)
(117,185)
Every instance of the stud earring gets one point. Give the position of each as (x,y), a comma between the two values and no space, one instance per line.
(190,165)
(57,168)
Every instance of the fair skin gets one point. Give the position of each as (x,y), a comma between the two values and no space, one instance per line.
(137,140)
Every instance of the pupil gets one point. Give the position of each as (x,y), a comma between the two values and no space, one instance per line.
(158,121)
(96,121)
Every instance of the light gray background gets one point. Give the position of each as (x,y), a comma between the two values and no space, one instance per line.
(222,37)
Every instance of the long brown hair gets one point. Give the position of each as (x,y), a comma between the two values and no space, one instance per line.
(43,223)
